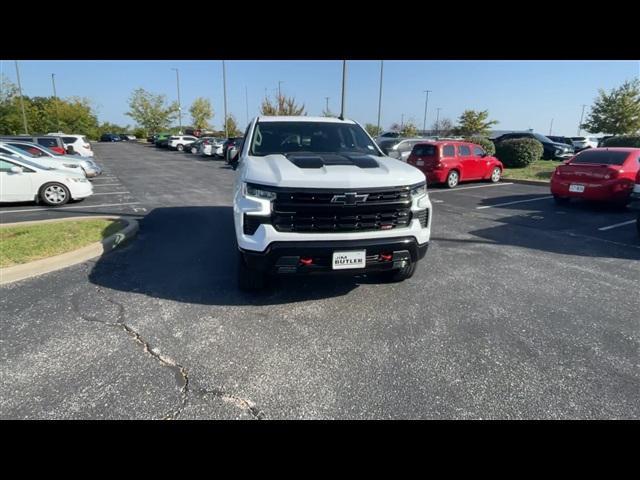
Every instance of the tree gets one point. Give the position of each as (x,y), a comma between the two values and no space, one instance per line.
(232,127)
(201,112)
(372,129)
(151,111)
(409,129)
(282,105)
(443,128)
(616,113)
(473,122)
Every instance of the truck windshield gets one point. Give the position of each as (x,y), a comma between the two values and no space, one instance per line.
(310,137)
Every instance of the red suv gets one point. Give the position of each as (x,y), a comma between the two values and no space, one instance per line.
(451,162)
(601,174)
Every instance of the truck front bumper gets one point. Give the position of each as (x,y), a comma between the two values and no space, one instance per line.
(315,257)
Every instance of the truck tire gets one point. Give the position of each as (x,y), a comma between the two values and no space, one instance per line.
(249,280)
(401,274)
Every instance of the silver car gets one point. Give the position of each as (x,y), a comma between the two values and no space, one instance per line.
(91,168)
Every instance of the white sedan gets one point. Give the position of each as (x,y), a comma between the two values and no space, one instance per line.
(24,181)
(91,168)
(59,164)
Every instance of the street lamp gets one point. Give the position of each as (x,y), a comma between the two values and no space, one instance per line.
(581,116)
(55,98)
(224,89)
(438,120)
(344,82)
(426,102)
(24,115)
(380,96)
(179,104)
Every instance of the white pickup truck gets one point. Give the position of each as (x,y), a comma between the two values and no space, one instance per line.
(317,195)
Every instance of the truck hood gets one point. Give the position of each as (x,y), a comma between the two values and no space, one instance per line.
(330,171)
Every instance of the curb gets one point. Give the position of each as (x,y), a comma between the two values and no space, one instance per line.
(57,262)
(526,182)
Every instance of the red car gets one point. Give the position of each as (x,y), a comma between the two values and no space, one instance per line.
(600,174)
(451,162)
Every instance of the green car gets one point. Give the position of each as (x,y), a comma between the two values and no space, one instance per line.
(162,140)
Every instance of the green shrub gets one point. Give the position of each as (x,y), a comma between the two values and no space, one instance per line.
(519,152)
(485,143)
(622,141)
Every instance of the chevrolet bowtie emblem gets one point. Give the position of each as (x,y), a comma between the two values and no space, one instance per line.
(350,198)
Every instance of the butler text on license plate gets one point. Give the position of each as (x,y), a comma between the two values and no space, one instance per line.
(355,259)
(574,187)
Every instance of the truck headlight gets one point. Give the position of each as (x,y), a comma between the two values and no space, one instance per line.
(419,191)
(257,191)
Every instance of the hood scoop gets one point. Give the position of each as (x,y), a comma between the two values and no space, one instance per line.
(330,159)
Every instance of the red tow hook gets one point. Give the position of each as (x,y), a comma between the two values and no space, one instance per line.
(386,257)
(306,261)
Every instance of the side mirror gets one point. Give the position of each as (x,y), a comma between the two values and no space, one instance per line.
(16,169)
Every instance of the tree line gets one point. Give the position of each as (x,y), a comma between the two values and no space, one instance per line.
(616,112)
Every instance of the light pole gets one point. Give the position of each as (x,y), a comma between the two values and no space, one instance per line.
(380,96)
(55,98)
(179,104)
(581,116)
(551,127)
(426,102)
(344,82)
(24,115)
(246,98)
(327,99)
(438,120)
(401,122)
(224,90)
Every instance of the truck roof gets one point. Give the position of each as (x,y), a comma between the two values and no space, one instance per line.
(303,118)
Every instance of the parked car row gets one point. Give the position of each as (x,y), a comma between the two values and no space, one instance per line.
(204,146)
(117,137)
(34,169)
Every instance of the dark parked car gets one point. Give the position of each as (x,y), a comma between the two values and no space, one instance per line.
(49,141)
(229,142)
(162,140)
(551,149)
(123,137)
(110,137)
(565,140)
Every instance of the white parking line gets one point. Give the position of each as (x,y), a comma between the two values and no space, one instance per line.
(110,193)
(617,225)
(513,203)
(468,188)
(68,208)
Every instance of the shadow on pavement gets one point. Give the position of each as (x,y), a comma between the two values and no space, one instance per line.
(188,254)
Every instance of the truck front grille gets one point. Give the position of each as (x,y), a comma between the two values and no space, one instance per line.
(339,211)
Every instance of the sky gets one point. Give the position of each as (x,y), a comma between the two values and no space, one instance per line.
(519,94)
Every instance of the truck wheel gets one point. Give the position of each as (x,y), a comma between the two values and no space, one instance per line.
(249,280)
(401,274)
(194,150)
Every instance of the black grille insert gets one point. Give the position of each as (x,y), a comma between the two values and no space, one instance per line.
(342,210)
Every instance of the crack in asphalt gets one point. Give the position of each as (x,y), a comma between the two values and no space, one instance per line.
(236,401)
(181,373)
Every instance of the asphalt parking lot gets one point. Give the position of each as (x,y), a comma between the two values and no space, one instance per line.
(521,309)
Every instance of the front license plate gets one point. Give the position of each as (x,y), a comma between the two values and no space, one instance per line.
(576,188)
(344,260)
